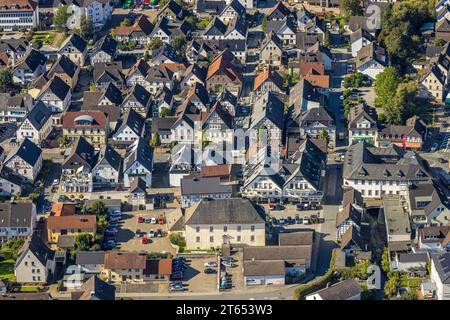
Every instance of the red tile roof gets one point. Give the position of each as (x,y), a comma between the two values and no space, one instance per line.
(98,119)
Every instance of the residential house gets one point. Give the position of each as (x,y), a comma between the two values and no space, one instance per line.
(131,128)
(137,73)
(413,264)
(233,9)
(235,220)
(442,29)
(440,274)
(193,74)
(362,124)
(70,225)
(217,126)
(17,220)
(94,289)
(158,78)
(140,31)
(360,39)
(194,189)
(14,49)
(171,11)
(215,30)
(124,266)
(433,239)
(346,218)
(104,50)
(75,48)
(29,67)
(162,127)
(14,107)
(371,60)
(433,84)
(108,169)
(398,225)
(271,50)
(10,182)
(164,54)
(138,99)
(376,172)
(275,265)
(315,121)
(345,290)
(268,80)
(158,269)
(411,135)
(65,69)
(138,163)
(76,170)
(163,100)
(98,11)
(55,95)
(25,159)
(35,261)
(222,73)
(106,73)
(36,126)
(91,125)
(90,262)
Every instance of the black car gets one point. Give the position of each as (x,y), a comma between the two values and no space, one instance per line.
(210,271)
(299,207)
(289,220)
(298,220)
(275,221)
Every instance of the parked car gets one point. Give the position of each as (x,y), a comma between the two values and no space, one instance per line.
(140,220)
(177,275)
(228,264)
(153,220)
(274,221)
(305,220)
(138,233)
(282,221)
(210,264)
(151,234)
(289,220)
(147,220)
(111,230)
(210,271)
(159,233)
(434,147)
(176,288)
(298,220)
(110,244)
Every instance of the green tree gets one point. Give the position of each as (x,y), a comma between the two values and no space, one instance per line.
(386,83)
(165,112)
(99,208)
(86,28)
(6,80)
(83,208)
(411,294)
(360,268)
(162,3)
(34,196)
(125,23)
(13,246)
(113,33)
(180,44)
(91,87)
(83,242)
(154,44)
(405,101)
(323,135)
(264,24)
(385,262)
(155,140)
(327,40)
(392,284)
(64,141)
(351,7)
(36,44)
(146,55)
(60,18)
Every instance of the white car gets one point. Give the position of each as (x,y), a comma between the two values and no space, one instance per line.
(305,220)
(210,264)
(153,221)
(341,97)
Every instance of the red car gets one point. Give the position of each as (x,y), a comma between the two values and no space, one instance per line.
(140,220)
(144,240)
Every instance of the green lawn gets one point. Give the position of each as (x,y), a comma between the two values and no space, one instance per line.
(7,269)
(45,37)
(30,289)
(410,282)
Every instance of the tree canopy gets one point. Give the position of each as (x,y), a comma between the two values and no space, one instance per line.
(154,44)
(60,18)
(86,28)
(351,7)
(6,79)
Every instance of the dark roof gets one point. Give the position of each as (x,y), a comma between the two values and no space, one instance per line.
(442,264)
(134,121)
(163,124)
(113,70)
(216,28)
(84,151)
(31,61)
(76,41)
(226,211)
(90,257)
(27,151)
(139,94)
(38,248)
(110,156)
(57,86)
(39,115)
(352,236)
(272,37)
(239,24)
(273,253)
(263,268)
(348,213)
(106,44)
(16,214)
(95,289)
(191,186)
(237,7)
(268,106)
(139,151)
(296,238)
(168,51)
(340,291)
(138,185)
(321,115)
(412,257)
(210,6)
(113,94)
(63,65)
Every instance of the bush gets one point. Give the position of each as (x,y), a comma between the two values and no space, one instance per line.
(302,291)
(178,240)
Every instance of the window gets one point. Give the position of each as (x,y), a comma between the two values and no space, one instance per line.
(211,239)
(197,229)
(238,228)
(252,228)
(197,239)
(238,238)
(211,229)
(252,238)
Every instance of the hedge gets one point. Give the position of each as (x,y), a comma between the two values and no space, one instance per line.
(302,291)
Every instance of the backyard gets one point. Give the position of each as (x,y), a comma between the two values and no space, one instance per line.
(46,38)
(7,270)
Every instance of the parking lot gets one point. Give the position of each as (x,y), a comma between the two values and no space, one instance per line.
(195,280)
(126,237)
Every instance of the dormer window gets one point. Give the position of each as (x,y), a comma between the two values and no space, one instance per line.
(84,120)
